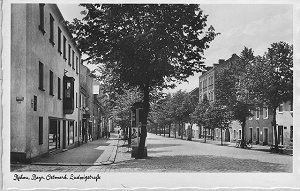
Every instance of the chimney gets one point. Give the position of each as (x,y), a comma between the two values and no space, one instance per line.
(215,65)
(221,61)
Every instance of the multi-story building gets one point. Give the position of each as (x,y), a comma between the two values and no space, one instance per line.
(207,85)
(44,83)
(259,127)
(96,110)
(85,103)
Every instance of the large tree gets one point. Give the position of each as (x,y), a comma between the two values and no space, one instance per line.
(232,90)
(220,117)
(144,45)
(201,115)
(271,79)
(123,104)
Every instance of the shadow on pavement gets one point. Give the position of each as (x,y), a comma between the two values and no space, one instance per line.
(161,145)
(204,163)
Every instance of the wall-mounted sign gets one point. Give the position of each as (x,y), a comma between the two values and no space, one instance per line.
(19,99)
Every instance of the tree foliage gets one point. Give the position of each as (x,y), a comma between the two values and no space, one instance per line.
(144,45)
(220,117)
(271,79)
(231,87)
(202,114)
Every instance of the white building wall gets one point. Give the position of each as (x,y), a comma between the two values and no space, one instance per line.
(29,47)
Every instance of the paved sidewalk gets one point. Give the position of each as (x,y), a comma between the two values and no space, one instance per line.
(97,152)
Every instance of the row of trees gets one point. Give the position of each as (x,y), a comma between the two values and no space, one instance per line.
(145,46)
(244,83)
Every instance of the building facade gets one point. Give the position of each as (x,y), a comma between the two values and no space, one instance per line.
(285,127)
(86,104)
(258,128)
(45,80)
(207,87)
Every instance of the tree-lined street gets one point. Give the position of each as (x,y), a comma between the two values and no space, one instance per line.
(164,155)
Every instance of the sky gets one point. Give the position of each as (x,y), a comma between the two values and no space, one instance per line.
(255,26)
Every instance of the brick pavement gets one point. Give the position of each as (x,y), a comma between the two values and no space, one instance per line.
(175,155)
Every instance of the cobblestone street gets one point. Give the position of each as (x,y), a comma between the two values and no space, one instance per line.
(168,155)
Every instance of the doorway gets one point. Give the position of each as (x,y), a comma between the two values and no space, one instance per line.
(251,135)
(280,135)
(227,135)
(64,135)
(54,134)
(257,135)
(265,140)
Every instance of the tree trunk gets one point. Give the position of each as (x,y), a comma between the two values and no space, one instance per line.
(243,143)
(175,130)
(275,130)
(146,107)
(182,129)
(129,136)
(190,133)
(221,137)
(169,130)
(164,130)
(205,135)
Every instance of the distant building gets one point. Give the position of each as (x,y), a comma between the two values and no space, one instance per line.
(259,127)
(284,120)
(207,85)
(44,84)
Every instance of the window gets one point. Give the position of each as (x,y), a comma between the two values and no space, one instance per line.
(80,101)
(200,86)
(265,113)
(35,103)
(257,113)
(64,48)
(71,133)
(42,23)
(76,100)
(76,65)
(79,127)
(250,117)
(291,133)
(51,40)
(40,130)
(240,134)
(76,129)
(58,88)
(41,76)
(59,40)
(73,54)
(69,58)
(51,83)
(281,107)
(234,134)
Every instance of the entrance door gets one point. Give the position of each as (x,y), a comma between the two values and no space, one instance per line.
(257,135)
(251,135)
(52,136)
(280,135)
(64,135)
(227,135)
(265,136)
